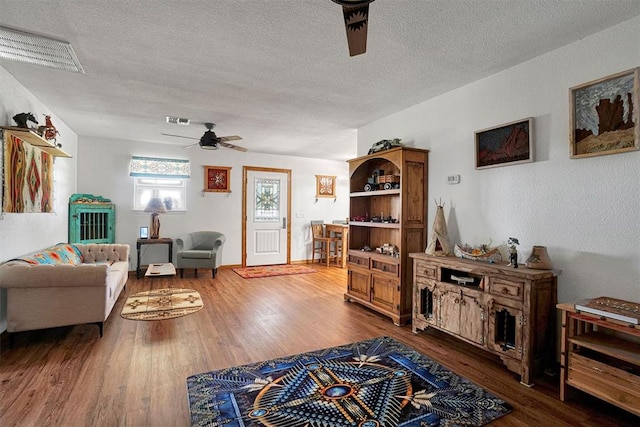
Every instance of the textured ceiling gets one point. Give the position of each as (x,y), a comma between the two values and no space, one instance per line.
(278,72)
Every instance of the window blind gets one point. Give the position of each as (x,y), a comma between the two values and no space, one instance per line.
(156,167)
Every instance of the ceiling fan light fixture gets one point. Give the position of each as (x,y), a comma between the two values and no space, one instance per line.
(38,50)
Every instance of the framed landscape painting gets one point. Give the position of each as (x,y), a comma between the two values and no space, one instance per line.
(604,115)
(507,144)
(216,179)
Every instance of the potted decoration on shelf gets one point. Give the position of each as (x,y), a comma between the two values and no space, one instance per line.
(513,252)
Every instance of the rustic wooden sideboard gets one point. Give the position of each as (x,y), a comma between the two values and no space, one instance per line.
(507,311)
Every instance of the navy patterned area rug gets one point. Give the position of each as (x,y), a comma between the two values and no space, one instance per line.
(377,382)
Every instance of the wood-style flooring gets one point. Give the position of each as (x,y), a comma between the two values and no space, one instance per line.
(136,374)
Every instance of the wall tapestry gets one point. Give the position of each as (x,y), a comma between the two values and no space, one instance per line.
(28,177)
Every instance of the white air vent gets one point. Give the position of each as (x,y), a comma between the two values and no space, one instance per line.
(178,120)
(38,50)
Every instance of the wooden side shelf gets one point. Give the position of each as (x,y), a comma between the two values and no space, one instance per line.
(36,140)
(600,356)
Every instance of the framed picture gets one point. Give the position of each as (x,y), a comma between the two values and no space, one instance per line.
(216,179)
(325,186)
(144,232)
(503,145)
(604,115)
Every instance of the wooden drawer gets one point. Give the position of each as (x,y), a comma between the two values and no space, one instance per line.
(385,267)
(423,269)
(506,288)
(362,261)
(605,381)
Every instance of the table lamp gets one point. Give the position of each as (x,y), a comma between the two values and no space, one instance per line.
(156,207)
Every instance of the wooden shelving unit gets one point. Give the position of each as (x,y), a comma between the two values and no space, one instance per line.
(380,281)
(36,140)
(600,356)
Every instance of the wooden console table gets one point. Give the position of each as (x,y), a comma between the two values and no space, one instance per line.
(600,356)
(160,241)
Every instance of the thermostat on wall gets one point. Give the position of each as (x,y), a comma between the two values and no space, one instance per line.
(453,179)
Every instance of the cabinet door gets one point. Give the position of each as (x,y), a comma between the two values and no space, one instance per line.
(472,318)
(424,300)
(385,292)
(505,330)
(449,311)
(359,283)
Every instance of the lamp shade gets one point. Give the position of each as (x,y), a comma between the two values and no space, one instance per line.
(155,205)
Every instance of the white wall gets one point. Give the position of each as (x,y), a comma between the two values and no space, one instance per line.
(103,170)
(586,211)
(28,232)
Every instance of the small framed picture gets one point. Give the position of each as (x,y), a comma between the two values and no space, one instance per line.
(503,145)
(325,186)
(216,179)
(144,232)
(605,115)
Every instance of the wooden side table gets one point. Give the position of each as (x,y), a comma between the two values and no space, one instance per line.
(159,241)
(600,355)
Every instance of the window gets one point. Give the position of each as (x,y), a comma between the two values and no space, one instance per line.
(162,178)
(172,192)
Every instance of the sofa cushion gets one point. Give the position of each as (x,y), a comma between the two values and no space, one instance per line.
(195,254)
(62,253)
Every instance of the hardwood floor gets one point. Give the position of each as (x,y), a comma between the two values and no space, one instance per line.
(136,374)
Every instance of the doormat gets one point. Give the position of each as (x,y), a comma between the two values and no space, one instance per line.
(161,304)
(272,270)
(372,383)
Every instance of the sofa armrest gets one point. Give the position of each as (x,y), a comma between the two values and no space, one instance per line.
(17,274)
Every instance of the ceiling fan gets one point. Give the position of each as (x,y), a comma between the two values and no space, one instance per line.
(211,141)
(356,14)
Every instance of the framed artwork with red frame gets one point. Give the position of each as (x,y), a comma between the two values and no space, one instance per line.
(217,179)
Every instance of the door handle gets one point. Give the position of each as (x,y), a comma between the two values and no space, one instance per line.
(284,222)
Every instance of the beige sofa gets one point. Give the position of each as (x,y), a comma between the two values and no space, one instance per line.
(66,284)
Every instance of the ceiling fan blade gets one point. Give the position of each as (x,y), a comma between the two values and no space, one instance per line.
(230,138)
(235,147)
(179,136)
(191,145)
(355,22)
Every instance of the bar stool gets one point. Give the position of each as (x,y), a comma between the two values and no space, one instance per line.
(326,244)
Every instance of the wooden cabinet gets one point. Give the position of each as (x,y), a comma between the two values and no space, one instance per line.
(500,309)
(388,210)
(600,356)
(92,219)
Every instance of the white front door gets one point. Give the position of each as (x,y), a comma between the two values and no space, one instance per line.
(266,216)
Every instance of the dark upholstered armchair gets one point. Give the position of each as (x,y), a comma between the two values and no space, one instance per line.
(200,249)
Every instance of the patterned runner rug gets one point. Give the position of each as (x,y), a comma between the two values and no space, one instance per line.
(372,383)
(161,304)
(272,270)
